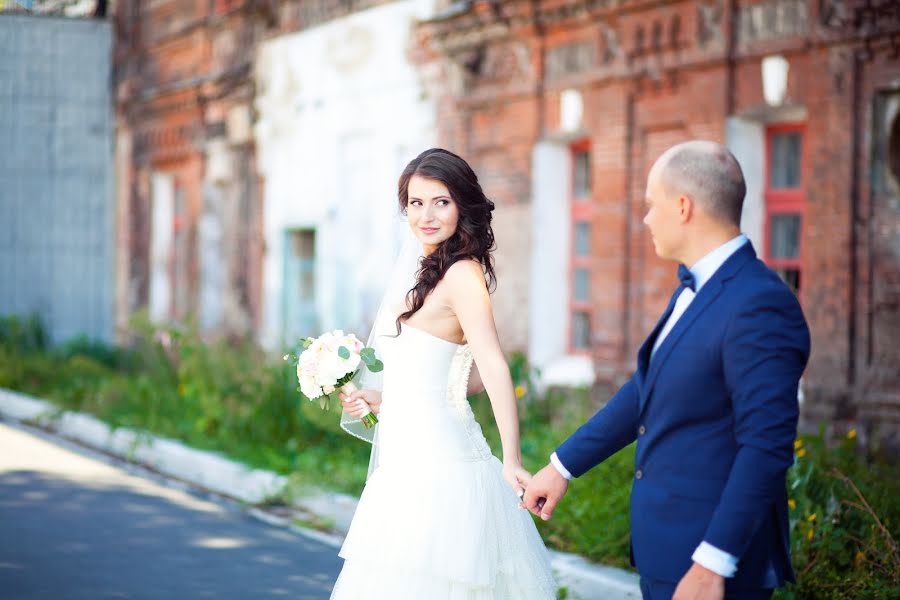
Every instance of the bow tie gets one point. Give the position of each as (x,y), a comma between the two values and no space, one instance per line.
(686,277)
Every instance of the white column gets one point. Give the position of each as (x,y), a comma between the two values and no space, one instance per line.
(746,140)
(162,192)
(551,182)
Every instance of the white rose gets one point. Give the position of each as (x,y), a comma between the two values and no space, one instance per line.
(330,369)
(307,365)
(352,362)
(352,343)
(309,388)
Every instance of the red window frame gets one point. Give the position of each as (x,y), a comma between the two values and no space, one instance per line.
(581,207)
(785,201)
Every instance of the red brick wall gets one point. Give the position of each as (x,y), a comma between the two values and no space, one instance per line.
(656,73)
(180,66)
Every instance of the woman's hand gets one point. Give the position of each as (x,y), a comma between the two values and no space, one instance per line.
(361,402)
(516,476)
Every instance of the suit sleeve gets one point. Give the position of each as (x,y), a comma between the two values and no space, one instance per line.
(612,428)
(765,352)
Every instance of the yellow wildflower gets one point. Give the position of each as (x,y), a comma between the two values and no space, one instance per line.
(860,556)
(520,391)
(851,434)
(809,534)
(792,504)
(801,452)
(798,443)
(811,517)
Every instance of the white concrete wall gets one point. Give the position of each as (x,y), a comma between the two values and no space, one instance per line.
(746,140)
(162,206)
(341,112)
(551,224)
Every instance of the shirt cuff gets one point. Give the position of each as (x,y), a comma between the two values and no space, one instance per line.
(717,561)
(554,460)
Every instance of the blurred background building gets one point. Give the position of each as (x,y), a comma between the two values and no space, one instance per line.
(252,150)
(563,107)
(57,238)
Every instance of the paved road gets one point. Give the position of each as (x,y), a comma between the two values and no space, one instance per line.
(72,527)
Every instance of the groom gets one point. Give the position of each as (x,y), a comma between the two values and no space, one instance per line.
(712,405)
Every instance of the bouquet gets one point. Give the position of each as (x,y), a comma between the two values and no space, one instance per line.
(328,364)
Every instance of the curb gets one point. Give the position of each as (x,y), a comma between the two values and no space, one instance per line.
(213,472)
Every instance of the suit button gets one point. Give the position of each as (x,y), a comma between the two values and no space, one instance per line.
(638,474)
(642,430)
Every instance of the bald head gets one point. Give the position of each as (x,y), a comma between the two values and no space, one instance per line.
(706,172)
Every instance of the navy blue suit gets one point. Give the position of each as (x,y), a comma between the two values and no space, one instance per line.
(715,416)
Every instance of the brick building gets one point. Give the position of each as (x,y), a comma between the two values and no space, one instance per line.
(184,158)
(189,195)
(562,106)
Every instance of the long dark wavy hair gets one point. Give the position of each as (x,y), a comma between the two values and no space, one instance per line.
(473,238)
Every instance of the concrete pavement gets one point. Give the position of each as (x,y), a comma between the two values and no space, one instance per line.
(73,527)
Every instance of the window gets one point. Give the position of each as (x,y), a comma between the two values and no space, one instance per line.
(304,253)
(580,251)
(299,287)
(785,202)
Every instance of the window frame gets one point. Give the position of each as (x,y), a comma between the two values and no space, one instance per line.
(785,201)
(580,211)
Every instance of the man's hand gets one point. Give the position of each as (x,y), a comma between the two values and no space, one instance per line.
(544,492)
(699,583)
(360,402)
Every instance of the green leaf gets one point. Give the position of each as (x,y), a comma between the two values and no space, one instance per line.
(343,353)
(376,367)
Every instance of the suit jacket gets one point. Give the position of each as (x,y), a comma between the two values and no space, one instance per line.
(715,417)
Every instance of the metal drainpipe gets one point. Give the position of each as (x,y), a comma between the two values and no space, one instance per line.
(541,90)
(856,147)
(630,124)
(731,44)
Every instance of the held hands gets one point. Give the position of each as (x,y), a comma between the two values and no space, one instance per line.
(516,476)
(360,402)
(699,583)
(544,492)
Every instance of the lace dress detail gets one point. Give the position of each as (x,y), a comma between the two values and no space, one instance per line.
(460,369)
(436,520)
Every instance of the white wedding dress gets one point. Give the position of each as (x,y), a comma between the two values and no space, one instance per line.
(436,520)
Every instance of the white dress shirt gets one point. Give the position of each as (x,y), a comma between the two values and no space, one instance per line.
(706,555)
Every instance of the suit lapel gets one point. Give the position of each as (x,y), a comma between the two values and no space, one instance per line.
(650,369)
(700,302)
(647,346)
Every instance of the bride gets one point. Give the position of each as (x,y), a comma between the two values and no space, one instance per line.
(439,516)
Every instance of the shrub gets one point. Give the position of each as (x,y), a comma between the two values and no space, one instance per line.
(844,517)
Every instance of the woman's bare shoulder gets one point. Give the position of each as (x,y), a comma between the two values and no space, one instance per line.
(466,272)
(464,279)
